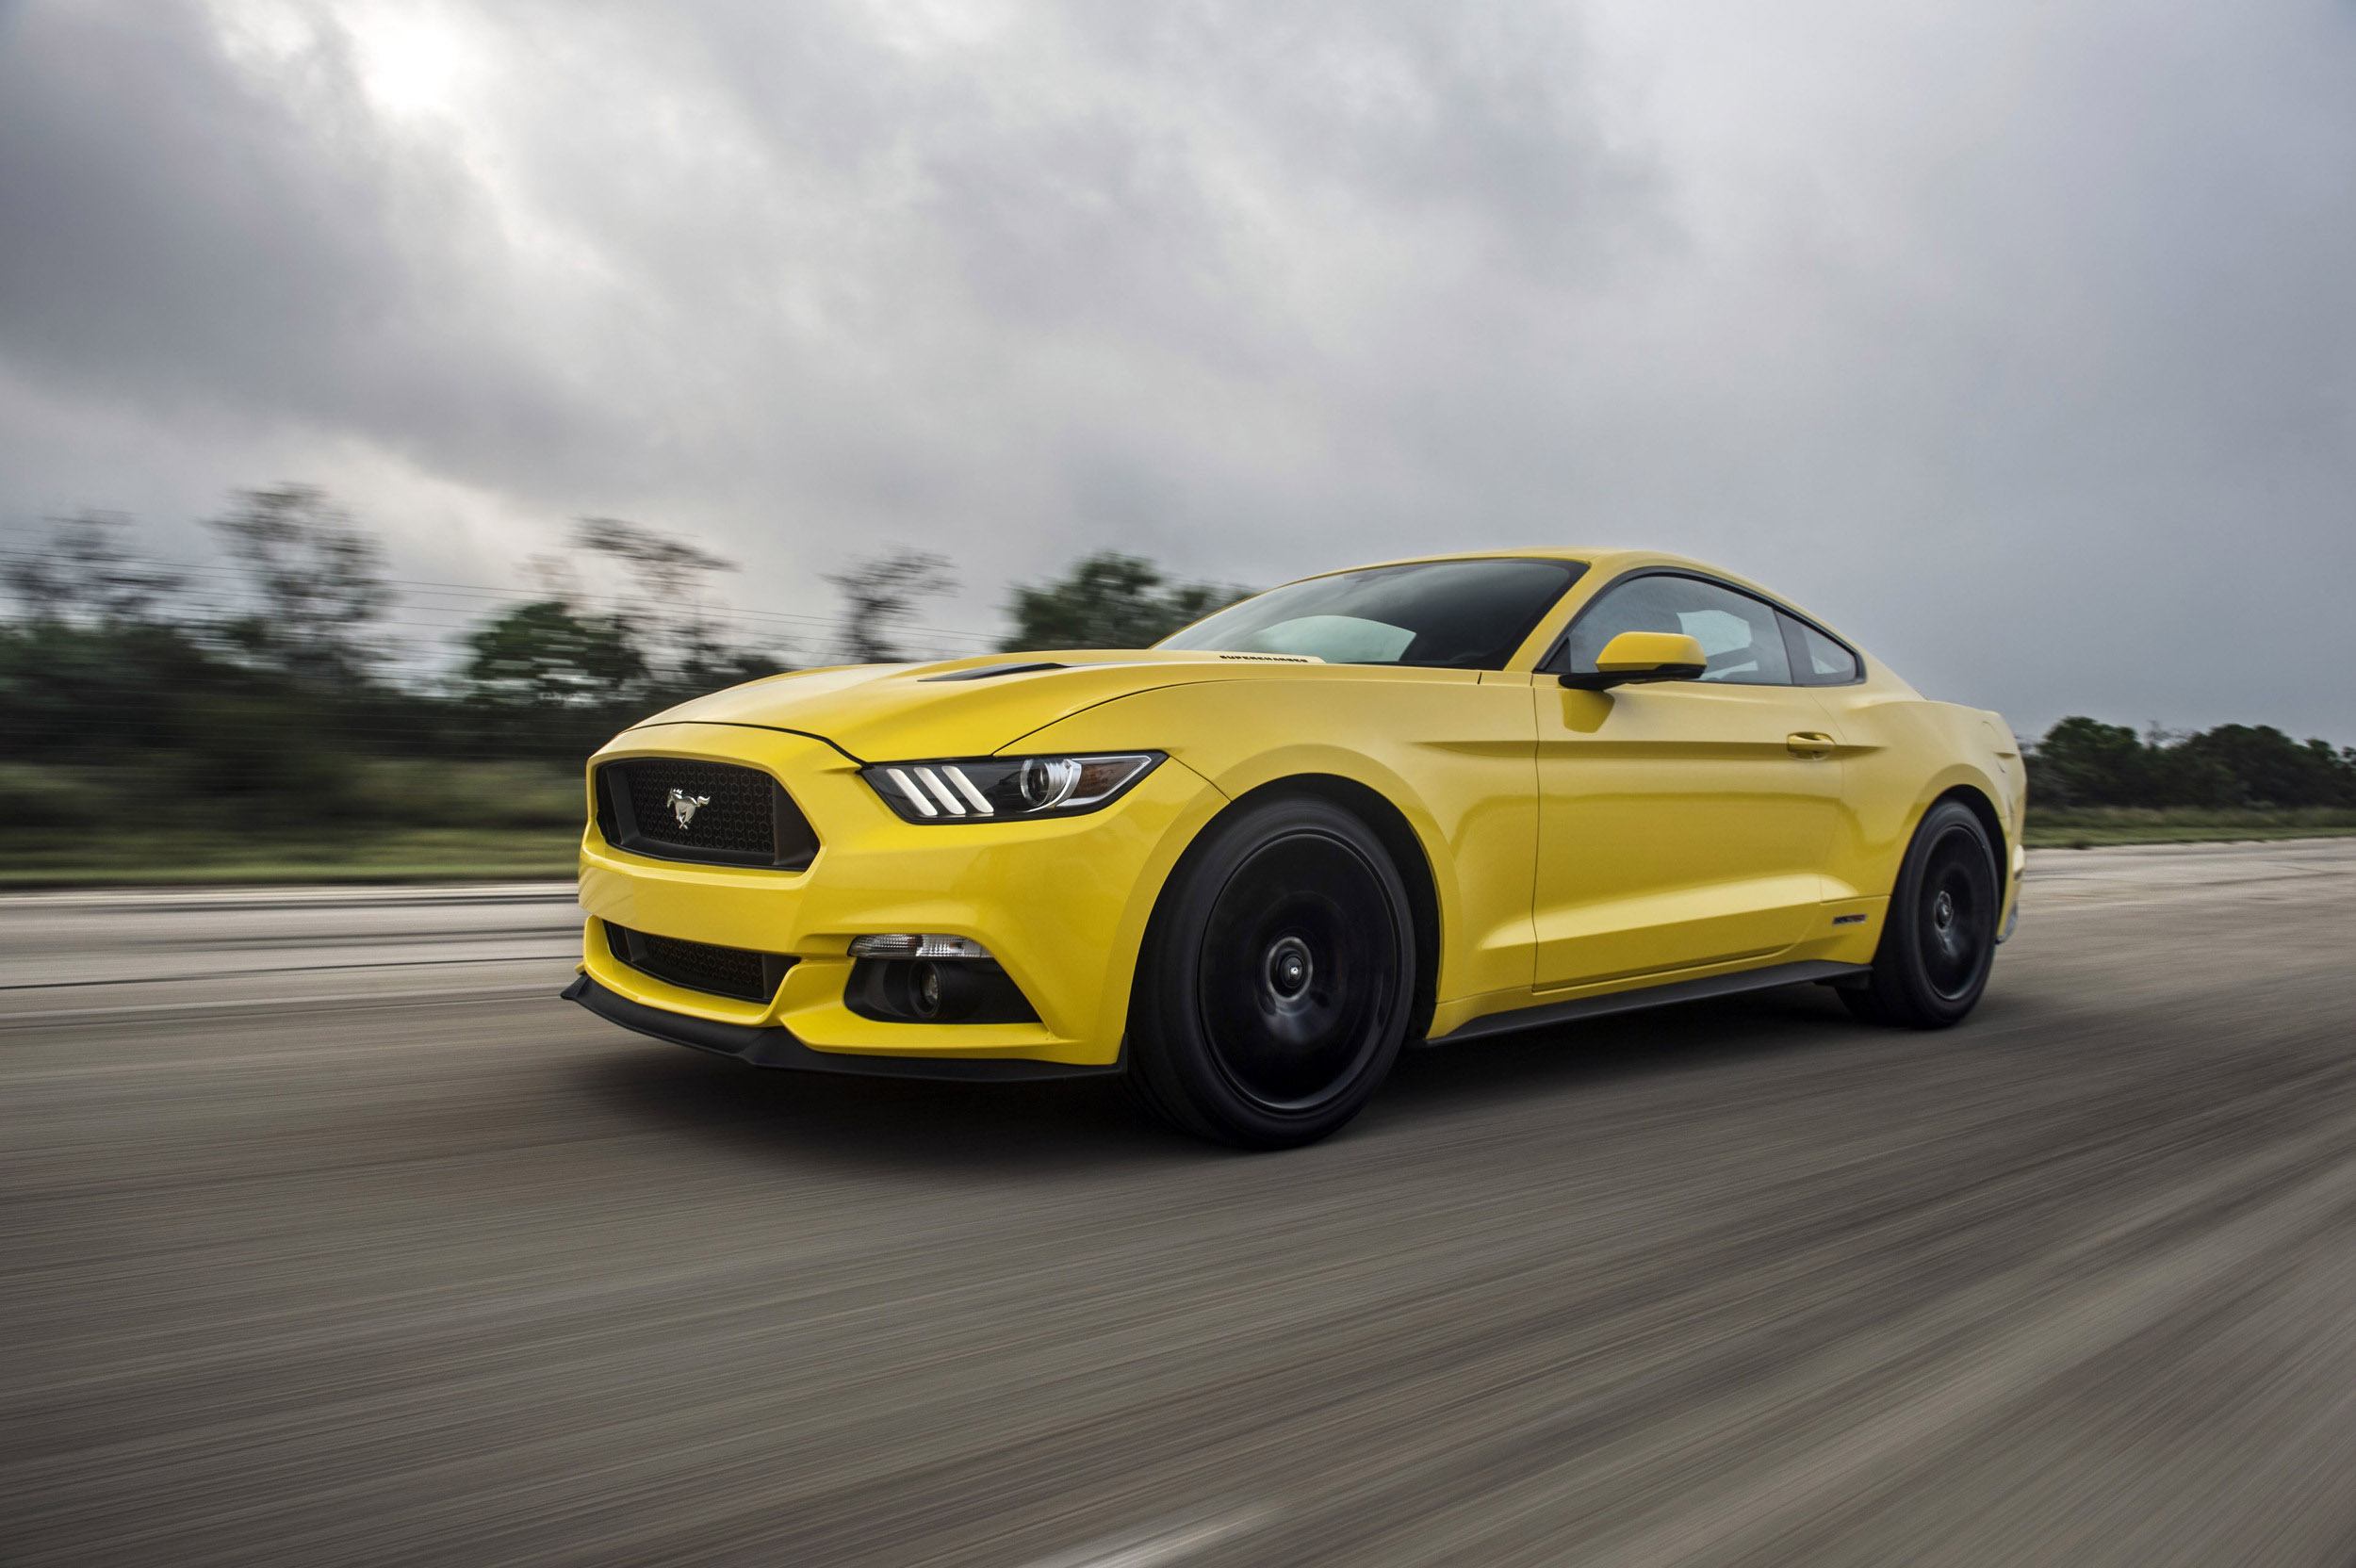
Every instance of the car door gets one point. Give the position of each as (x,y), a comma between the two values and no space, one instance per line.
(1682,824)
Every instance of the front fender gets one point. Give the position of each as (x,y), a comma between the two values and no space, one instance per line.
(1454,757)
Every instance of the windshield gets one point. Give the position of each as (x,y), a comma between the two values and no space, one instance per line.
(1454,614)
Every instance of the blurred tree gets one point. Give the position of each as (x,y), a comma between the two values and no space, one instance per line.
(879,598)
(95,668)
(670,616)
(2177,777)
(84,576)
(2083,762)
(710,666)
(1110,600)
(2267,767)
(113,686)
(544,653)
(319,578)
(670,568)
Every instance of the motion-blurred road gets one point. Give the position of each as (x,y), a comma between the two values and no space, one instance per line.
(331,1237)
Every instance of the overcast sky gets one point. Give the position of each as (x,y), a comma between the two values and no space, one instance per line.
(2015,337)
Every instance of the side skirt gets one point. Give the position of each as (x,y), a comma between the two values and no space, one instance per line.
(770,1046)
(1651,996)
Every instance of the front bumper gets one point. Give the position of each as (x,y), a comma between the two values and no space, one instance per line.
(772,1045)
(1061,904)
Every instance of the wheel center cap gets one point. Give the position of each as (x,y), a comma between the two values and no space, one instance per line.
(1289,967)
(1943,912)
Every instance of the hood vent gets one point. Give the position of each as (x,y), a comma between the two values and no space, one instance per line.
(987,672)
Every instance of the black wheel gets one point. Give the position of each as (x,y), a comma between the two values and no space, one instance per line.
(1939,936)
(1274,987)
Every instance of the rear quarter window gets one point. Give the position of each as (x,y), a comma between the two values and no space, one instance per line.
(1818,660)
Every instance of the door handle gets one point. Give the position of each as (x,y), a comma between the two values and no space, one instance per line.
(1810,744)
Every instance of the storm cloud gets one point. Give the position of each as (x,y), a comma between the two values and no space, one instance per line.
(2019,340)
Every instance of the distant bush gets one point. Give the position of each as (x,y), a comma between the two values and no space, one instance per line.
(2083,762)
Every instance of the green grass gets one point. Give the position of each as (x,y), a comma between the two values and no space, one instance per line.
(424,855)
(394,821)
(2088,826)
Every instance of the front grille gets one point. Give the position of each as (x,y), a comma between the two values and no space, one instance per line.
(735,972)
(734,816)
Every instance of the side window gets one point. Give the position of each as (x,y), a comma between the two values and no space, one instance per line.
(1819,659)
(1739,633)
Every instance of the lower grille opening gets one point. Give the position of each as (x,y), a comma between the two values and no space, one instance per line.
(936,990)
(735,972)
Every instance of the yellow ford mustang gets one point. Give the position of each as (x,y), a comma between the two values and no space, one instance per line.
(1416,802)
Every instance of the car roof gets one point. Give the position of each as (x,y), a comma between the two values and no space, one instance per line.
(1605,561)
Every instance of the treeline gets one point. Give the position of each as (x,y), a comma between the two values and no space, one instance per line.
(129,693)
(2083,762)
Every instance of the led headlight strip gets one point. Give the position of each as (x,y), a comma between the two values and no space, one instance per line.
(971,788)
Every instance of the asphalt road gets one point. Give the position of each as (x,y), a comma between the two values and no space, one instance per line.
(331,1237)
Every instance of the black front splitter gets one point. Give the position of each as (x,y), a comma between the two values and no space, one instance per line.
(768,1045)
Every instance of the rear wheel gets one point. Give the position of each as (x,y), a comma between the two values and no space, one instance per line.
(1273,990)
(1939,936)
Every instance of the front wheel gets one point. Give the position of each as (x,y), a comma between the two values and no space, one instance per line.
(1939,938)
(1274,987)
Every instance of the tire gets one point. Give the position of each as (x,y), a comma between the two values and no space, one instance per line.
(1276,980)
(1939,938)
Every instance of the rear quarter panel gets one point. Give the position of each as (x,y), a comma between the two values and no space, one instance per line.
(1900,753)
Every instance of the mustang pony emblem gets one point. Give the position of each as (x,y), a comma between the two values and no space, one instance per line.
(684,806)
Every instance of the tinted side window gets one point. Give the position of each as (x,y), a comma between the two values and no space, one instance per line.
(1818,660)
(1739,633)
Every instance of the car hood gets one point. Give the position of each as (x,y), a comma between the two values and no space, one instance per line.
(962,707)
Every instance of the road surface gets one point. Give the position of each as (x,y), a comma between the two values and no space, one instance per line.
(331,1237)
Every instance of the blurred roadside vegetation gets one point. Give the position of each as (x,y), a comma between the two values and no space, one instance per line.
(272,716)
(2094,783)
(1109,601)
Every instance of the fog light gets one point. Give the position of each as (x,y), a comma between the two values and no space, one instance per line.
(907,945)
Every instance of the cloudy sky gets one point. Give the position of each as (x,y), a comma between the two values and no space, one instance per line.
(2015,337)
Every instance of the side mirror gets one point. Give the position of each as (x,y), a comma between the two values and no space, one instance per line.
(1643,656)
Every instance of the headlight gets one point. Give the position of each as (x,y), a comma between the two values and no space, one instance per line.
(969,788)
